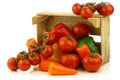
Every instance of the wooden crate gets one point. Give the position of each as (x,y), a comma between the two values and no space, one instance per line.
(100,26)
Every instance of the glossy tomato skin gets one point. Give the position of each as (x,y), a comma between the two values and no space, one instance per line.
(12,64)
(22,55)
(86,12)
(76,8)
(34,58)
(91,5)
(24,64)
(80,30)
(70,60)
(99,7)
(67,44)
(105,9)
(47,51)
(92,64)
(34,48)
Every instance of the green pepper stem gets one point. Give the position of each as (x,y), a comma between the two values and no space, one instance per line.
(92,55)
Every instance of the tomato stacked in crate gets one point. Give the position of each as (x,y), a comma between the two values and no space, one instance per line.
(99,27)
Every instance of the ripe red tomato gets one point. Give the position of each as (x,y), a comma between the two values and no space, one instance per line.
(105,9)
(70,60)
(76,8)
(46,51)
(24,64)
(22,55)
(92,62)
(34,58)
(67,44)
(80,30)
(86,12)
(34,48)
(12,64)
(92,6)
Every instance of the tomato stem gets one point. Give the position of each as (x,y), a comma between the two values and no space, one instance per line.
(16,62)
(31,54)
(69,38)
(42,47)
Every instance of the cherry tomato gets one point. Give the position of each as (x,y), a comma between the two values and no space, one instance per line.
(67,44)
(92,6)
(80,30)
(34,48)
(22,55)
(86,12)
(76,8)
(24,64)
(105,8)
(34,58)
(92,62)
(12,64)
(46,51)
(70,60)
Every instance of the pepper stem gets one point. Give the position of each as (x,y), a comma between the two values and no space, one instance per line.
(92,55)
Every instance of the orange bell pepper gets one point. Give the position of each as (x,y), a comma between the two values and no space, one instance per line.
(58,69)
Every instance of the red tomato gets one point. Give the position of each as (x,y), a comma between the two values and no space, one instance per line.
(50,38)
(22,55)
(70,60)
(80,30)
(92,6)
(24,64)
(34,58)
(67,44)
(46,51)
(92,62)
(34,48)
(105,9)
(86,12)
(12,64)
(76,8)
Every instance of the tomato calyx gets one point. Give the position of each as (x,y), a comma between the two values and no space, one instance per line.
(103,4)
(16,62)
(69,37)
(31,54)
(42,47)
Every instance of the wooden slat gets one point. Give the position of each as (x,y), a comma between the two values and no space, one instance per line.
(64,14)
(41,29)
(38,19)
(105,44)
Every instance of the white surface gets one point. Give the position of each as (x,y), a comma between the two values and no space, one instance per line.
(16,27)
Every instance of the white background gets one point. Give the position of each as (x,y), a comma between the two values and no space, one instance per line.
(16,27)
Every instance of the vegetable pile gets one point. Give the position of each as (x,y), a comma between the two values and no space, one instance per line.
(88,9)
(61,51)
